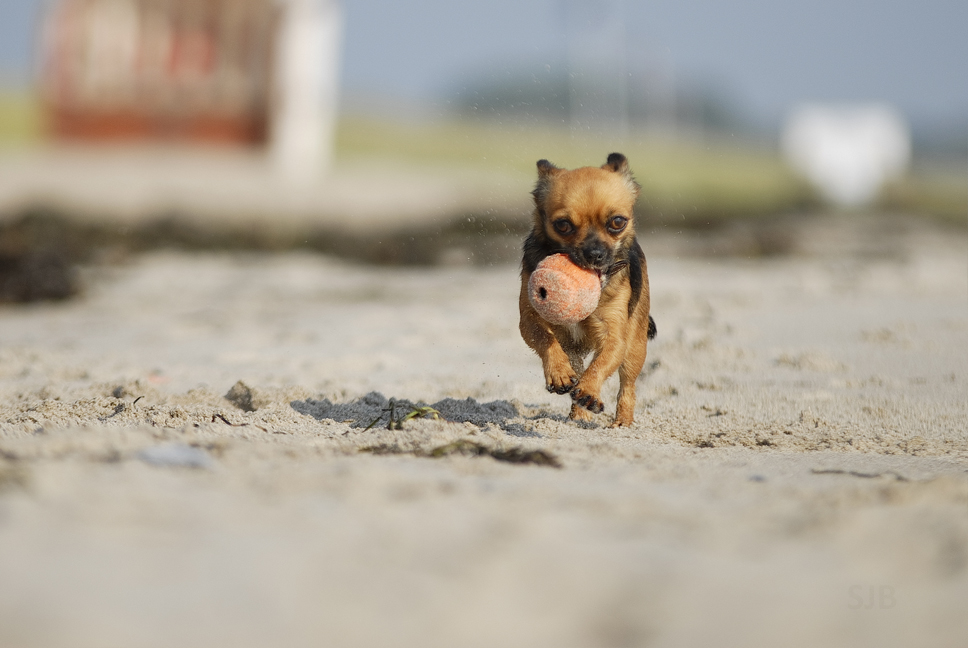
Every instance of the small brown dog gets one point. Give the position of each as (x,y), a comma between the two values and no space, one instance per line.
(587,214)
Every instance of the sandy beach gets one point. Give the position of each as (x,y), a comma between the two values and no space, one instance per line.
(195,452)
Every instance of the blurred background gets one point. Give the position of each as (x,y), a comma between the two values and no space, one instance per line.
(273,124)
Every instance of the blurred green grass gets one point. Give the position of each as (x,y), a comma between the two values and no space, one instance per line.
(934,189)
(694,184)
(21,118)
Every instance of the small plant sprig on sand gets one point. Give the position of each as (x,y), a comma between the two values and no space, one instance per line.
(397,423)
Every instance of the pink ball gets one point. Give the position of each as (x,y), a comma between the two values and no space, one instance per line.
(562,292)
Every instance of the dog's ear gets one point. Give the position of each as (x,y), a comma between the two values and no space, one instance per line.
(546,171)
(546,168)
(618,163)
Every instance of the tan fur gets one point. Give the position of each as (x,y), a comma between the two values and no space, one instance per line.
(588,198)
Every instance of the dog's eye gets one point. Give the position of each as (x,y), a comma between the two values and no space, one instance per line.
(563,226)
(617,223)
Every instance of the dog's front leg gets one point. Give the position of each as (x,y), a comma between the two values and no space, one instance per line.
(560,377)
(610,351)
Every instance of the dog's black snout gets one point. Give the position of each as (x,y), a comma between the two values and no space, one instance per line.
(595,252)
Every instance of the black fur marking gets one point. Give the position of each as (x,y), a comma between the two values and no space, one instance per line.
(652,329)
(636,256)
(535,250)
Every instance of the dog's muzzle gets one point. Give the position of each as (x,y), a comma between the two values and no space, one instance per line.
(595,255)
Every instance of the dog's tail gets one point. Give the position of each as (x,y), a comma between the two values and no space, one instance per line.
(652,329)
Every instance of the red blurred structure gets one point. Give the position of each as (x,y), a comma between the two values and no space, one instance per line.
(198,70)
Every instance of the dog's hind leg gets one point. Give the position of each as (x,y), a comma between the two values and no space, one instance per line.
(628,373)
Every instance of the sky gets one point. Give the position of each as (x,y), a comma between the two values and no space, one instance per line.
(769,55)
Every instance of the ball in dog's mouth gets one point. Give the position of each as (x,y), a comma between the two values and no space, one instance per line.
(562,292)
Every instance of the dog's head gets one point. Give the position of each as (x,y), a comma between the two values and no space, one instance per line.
(587,212)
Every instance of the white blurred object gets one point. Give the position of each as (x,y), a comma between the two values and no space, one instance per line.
(848,152)
(304,95)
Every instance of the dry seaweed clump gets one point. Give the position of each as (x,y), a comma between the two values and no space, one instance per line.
(516,454)
(470,448)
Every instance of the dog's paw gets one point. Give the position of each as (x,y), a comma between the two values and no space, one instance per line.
(624,416)
(621,422)
(579,414)
(588,401)
(562,384)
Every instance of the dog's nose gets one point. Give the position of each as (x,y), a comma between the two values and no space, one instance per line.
(595,252)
